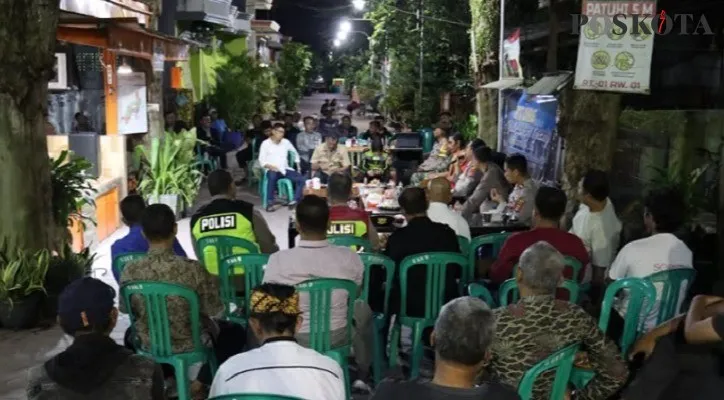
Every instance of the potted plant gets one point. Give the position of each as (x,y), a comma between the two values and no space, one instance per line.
(64,268)
(71,190)
(22,275)
(169,172)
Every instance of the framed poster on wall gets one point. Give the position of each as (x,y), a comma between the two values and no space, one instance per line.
(59,81)
(132,108)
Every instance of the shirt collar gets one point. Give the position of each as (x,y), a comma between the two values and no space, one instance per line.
(539,298)
(221,197)
(160,251)
(278,339)
(313,244)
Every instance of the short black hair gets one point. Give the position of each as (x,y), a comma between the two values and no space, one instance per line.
(446,113)
(132,207)
(483,154)
(346,117)
(379,118)
(278,125)
(595,183)
(313,214)
(444,128)
(204,115)
(376,124)
(339,187)
(219,182)
(517,162)
(308,118)
(667,207)
(158,222)
(266,124)
(550,203)
(477,142)
(458,137)
(413,200)
(276,322)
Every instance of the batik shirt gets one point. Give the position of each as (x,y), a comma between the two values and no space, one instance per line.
(536,327)
(438,160)
(165,267)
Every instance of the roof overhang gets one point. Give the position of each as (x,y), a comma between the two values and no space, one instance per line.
(109,9)
(264,26)
(550,83)
(505,83)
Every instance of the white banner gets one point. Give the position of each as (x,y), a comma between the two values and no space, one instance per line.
(615,46)
(132,110)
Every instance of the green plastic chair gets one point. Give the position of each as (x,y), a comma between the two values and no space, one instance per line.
(464,244)
(371,260)
(669,284)
(427,137)
(252,267)
(285,188)
(509,289)
(495,240)
(320,306)
(481,292)
(254,396)
(154,295)
(204,160)
(562,361)
(353,242)
(436,266)
(212,249)
(120,262)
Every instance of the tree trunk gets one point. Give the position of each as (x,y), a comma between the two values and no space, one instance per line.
(588,124)
(484,62)
(27,45)
(155,81)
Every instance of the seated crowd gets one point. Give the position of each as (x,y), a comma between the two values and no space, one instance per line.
(480,351)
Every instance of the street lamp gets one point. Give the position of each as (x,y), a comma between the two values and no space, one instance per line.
(345,26)
(358,5)
(342,35)
(337,42)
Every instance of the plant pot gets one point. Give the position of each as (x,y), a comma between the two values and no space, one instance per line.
(170,200)
(22,313)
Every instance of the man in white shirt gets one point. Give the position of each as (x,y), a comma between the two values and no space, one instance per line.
(315,258)
(439,193)
(661,251)
(274,157)
(596,223)
(280,366)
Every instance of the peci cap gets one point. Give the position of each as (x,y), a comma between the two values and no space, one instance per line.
(84,303)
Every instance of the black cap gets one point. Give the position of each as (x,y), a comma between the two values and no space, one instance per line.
(85,302)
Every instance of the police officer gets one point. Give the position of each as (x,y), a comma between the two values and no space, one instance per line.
(345,220)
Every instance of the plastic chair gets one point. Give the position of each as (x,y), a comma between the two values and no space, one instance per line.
(464,244)
(435,282)
(320,307)
(285,188)
(668,285)
(371,260)
(495,240)
(154,295)
(204,160)
(254,396)
(354,242)
(562,361)
(509,289)
(252,267)
(481,292)
(212,249)
(120,261)
(426,135)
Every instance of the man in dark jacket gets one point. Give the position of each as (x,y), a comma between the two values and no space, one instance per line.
(94,366)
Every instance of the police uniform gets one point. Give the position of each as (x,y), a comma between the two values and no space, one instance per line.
(350,221)
(228,217)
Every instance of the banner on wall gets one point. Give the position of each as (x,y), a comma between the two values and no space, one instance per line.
(132,108)
(615,46)
(529,128)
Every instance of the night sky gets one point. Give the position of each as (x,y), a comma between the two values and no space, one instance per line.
(313,22)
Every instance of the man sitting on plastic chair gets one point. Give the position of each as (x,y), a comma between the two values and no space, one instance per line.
(462,336)
(273,156)
(280,366)
(538,325)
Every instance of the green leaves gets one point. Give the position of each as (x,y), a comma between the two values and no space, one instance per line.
(292,69)
(71,188)
(169,166)
(22,273)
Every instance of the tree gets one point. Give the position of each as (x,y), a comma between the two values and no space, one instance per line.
(27,45)
(483,59)
(292,73)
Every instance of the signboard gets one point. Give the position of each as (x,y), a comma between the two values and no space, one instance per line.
(132,109)
(615,46)
(529,128)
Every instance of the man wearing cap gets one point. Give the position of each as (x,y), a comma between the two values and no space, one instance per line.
(94,366)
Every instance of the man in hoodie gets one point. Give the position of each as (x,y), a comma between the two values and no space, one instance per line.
(94,366)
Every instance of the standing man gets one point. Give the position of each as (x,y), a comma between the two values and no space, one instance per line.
(521,200)
(274,156)
(307,141)
(328,125)
(329,158)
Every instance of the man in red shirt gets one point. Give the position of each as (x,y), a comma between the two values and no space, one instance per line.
(550,204)
(343,219)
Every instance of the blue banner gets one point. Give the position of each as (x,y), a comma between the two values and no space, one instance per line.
(529,128)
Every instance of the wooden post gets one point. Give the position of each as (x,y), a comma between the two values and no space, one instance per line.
(110,86)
